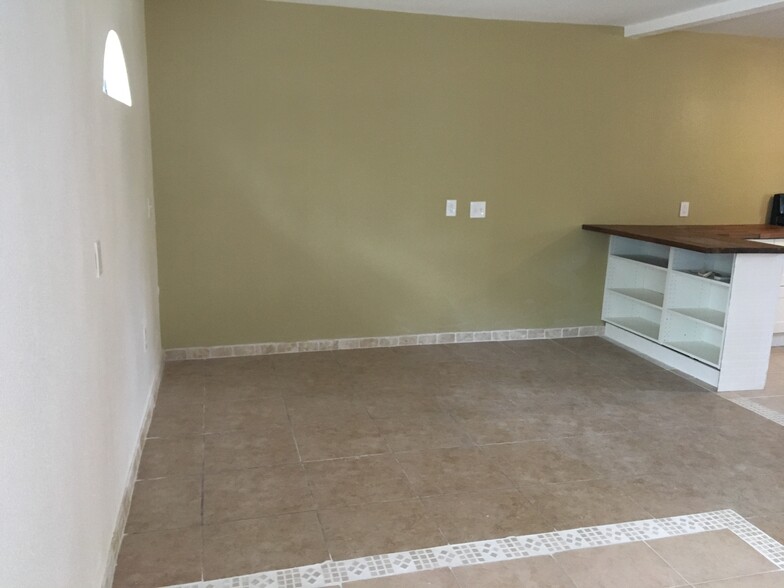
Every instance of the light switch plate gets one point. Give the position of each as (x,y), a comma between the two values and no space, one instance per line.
(451,207)
(684,209)
(478,209)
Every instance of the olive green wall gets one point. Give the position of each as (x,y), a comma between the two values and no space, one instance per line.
(303,156)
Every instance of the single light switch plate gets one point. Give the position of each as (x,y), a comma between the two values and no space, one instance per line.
(451,207)
(478,209)
(684,209)
(98,259)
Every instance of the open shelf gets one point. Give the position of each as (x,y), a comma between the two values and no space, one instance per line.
(637,325)
(645,295)
(694,276)
(691,262)
(709,316)
(652,260)
(700,350)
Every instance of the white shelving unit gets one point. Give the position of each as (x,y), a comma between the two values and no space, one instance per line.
(778,326)
(655,302)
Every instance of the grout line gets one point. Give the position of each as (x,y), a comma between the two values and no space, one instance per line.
(672,567)
(746,576)
(332,572)
(563,569)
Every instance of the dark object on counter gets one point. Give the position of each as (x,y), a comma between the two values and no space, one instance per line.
(777,210)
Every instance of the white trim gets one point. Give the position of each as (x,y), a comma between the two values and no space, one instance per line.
(699,16)
(778,340)
(369,342)
(130,481)
(671,359)
(332,573)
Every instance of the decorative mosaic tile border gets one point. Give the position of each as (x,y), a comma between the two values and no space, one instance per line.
(368,342)
(331,573)
(763,411)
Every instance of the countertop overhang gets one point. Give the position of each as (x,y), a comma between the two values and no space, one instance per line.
(702,238)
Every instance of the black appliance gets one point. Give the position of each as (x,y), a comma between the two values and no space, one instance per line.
(777,210)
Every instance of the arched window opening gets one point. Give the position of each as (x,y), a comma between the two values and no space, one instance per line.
(115,74)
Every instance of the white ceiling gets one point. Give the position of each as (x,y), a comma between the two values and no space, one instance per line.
(639,17)
(764,24)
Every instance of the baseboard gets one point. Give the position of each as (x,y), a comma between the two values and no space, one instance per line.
(125,505)
(778,340)
(370,342)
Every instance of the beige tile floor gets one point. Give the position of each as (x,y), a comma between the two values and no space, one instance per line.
(263,463)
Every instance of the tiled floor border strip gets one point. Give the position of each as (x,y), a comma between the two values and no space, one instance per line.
(763,411)
(370,342)
(337,572)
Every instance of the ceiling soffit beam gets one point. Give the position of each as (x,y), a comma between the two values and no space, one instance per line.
(698,16)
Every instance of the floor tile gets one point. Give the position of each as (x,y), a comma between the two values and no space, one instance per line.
(711,556)
(423,431)
(667,495)
(161,558)
(382,527)
(772,402)
(171,457)
(183,385)
(348,481)
(272,445)
(177,395)
(336,435)
(471,405)
(246,494)
(570,505)
(178,420)
(257,545)
(397,401)
(538,462)
(218,392)
(442,578)
(446,471)
(313,406)
(773,525)
(618,566)
(539,426)
(165,503)
(532,572)
(619,455)
(222,417)
(767,580)
(575,432)
(488,515)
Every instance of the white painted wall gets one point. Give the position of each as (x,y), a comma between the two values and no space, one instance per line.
(75,166)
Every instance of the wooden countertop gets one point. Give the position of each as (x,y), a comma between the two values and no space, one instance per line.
(702,238)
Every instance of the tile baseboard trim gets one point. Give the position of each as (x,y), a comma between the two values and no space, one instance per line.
(249,349)
(756,407)
(130,481)
(335,573)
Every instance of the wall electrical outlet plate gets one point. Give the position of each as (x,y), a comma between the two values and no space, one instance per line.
(478,209)
(451,207)
(684,209)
